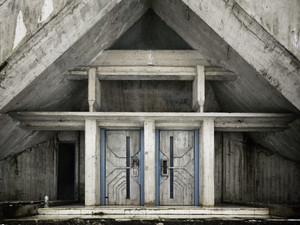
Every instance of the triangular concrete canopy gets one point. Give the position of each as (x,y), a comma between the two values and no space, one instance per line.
(83,23)
(84,29)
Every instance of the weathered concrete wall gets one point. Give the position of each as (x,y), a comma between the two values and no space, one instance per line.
(244,172)
(147,96)
(253,174)
(218,166)
(20,20)
(151,96)
(30,175)
(279,18)
(15,139)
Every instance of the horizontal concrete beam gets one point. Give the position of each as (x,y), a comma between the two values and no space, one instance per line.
(152,73)
(246,122)
(150,58)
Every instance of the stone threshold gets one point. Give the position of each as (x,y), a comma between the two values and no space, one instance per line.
(149,211)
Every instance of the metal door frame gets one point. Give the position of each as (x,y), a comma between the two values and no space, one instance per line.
(103,164)
(158,165)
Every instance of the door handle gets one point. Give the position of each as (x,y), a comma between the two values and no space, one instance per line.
(164,167)
(134,162)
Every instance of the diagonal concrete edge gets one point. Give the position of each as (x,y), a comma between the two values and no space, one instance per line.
(58,36)
(272,61)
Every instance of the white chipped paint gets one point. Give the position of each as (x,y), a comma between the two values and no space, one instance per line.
(21,30)
(46,11)
(295,39)
(150,58)
(100,53)
(121,32)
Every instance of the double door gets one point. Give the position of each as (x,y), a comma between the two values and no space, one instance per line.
(124,167)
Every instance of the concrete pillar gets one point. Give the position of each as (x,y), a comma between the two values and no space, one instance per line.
(206,163)
(199,90)
(92,163)
(149,162)
(94,92)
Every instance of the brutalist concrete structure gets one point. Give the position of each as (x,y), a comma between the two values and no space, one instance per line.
(142,105)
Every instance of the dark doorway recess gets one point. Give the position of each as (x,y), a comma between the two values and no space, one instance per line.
(66,171)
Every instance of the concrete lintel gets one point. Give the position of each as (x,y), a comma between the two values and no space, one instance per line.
(92,163)
(223,121)
(141,116)
(206,163)
(145,72)
(149,148)
(150,58)
(219,126)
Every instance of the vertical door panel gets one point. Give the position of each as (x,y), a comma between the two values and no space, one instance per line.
(177,168)
(122,167)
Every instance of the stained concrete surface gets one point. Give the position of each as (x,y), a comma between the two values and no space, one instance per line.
(271,15)
(97,220)
(143,215)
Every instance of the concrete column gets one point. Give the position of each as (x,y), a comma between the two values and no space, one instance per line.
(206,163)
(199,90)
(92,163)
(94,92)
(149,162)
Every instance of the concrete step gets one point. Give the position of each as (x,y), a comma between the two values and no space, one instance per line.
(176,211)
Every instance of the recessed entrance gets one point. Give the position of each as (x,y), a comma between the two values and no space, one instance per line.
(66,171)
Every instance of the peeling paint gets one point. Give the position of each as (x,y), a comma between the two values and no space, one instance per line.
(295,39)
(46,11)
(21,30)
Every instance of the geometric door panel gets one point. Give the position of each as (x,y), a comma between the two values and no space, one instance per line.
(177,170)
(122,167)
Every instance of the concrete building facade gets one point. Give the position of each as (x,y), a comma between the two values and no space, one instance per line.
(150,103)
